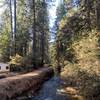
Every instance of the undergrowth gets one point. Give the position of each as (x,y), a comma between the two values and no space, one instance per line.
(85,74)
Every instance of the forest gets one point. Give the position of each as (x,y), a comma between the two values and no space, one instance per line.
(71,46)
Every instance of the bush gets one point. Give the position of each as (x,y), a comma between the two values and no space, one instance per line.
(85,74)
(19,63)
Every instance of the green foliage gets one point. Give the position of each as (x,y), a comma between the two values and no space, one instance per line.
(5,39)
(22,43)
(78,46)
(73,26)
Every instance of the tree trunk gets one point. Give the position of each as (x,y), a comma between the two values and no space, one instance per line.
(11,34)
(43,35)
(87,3)
(14,28)
(58,68)
(98,15)
(34,34)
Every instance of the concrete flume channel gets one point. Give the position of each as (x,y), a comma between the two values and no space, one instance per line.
(12,87)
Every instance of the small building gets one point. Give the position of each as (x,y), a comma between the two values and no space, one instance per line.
(4,67)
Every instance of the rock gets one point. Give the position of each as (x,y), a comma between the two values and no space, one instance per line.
(71,90)
(77,97)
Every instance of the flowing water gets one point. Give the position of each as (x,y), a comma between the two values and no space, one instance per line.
(51,91)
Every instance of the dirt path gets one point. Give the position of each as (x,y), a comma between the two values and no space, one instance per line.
(51,91)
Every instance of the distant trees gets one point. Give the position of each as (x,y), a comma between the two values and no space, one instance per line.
(40,38)
(28,22)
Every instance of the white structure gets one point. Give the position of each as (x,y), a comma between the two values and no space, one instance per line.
(4,67)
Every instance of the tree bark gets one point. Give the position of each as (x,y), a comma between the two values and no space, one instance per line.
(43,35)
(11,34)
(14,28)
(34,34)
(98,15)
(87,3)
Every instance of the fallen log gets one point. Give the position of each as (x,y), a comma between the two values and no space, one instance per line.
(13,86)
